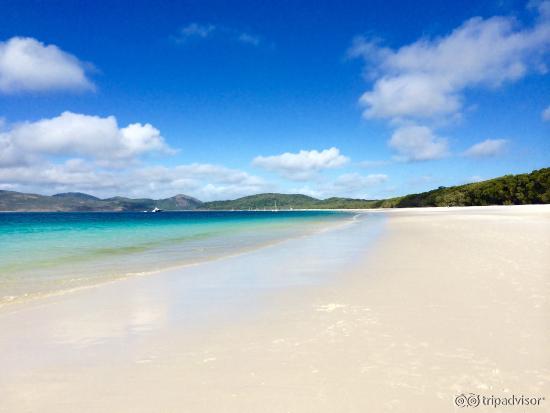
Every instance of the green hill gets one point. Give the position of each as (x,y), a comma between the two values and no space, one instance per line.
(178,202)
(77,195)
(285,201)
(531,188)
(76,201)
(264,201)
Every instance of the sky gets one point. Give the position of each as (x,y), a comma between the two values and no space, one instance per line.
(217,100)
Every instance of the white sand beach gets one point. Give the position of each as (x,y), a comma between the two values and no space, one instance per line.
(425,305)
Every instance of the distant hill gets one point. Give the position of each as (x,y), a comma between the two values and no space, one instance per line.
(77,195)
(178,202)
(286,201)
(531,188)
(264,201)
(76,201)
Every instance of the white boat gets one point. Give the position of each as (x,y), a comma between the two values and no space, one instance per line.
(156,210)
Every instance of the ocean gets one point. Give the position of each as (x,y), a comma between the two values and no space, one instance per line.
(43,254)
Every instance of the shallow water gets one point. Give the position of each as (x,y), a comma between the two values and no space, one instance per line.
(48,253)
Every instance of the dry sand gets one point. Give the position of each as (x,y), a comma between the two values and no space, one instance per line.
(449,301)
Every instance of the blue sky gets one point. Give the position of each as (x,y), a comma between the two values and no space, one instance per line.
(367,99)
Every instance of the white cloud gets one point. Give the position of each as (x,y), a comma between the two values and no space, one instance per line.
(203,31)
(352,185)
(409,95)
(216,173)
(427,78)
(487,148)
(353,182)
(29,65)
(40,176)
(417,143)
(204,181)
(249,39)
(302,165)
(546,114)
(196,30)
(72,134)
(81,153)
(541,6)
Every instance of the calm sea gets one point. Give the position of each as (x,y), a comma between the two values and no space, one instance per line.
(49,253)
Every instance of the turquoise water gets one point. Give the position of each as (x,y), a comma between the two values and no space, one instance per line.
(47,253)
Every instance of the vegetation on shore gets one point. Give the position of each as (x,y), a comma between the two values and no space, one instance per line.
(531,188)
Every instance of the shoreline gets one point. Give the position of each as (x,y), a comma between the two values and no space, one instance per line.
(296,209)
(441,303)
(311,230)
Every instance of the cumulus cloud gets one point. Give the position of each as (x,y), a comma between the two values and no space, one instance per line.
(417,143)
(546,114)
(204,181)
(74,173)
(427,78)
(73,134)
(81,153)
(302,165)
(27,64)
(487,148)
